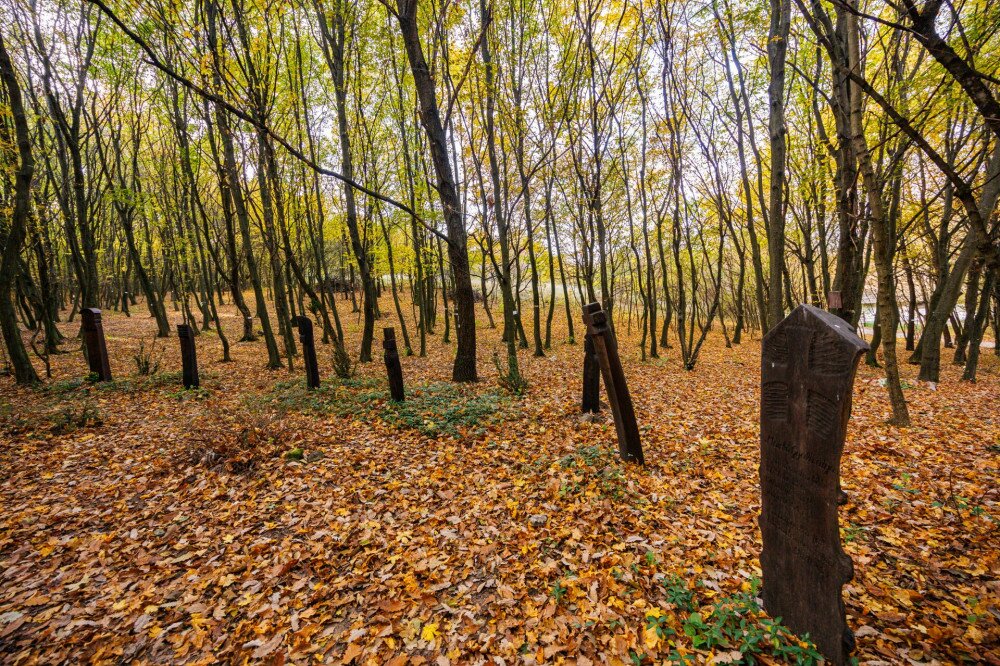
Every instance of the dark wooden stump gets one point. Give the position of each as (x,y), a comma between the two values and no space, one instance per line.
(808,363)
(189,356)
(97,348)
(305,327)
(591,368)
(392,367)
(629,444)
(248,333)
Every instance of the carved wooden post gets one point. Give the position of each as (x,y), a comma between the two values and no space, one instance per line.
(189,356)
(305,327)
(591,367)
(97,348)
(808,363)
(392,366)
(629,445)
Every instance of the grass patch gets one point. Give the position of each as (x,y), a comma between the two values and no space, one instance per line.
(434,409)
(13,421)
(70,404)
(67,387)
(194,393)
(734,623)
(72,417)
(596,466)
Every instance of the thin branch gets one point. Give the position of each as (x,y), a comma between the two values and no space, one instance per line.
(468,66)
(155,61)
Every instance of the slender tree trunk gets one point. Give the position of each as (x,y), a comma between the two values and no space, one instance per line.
(464,368)
(392,283)
(883,238)
(978,325)
(13,239)
(335,45)
(777,45)
(242,215)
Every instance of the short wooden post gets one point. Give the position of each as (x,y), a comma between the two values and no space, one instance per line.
(305,327)
(248,333)
(393,369)
(834,301)
(189,356)
(97,348)
(629,444)
(591,367)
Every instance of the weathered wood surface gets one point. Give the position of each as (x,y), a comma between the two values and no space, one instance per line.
(606,349)
(305,326)
(189,356)
(591,401)
(808,363)
(392,366)
(97,347)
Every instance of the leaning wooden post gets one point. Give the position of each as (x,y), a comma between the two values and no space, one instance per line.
(189,356)
(808,363)
(629,445)
(591,367)
(305,327)
(97,348)
(392,367)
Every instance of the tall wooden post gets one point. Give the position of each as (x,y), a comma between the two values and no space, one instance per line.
(591,367)
(392,366)
(808,363)
(305,327)
(97,348)
(629,444)
(189,356)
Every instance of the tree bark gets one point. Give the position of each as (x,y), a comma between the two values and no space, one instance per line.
(777,46)
(464,368)
(13,240)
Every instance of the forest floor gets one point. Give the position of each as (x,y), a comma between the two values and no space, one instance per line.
(141,522)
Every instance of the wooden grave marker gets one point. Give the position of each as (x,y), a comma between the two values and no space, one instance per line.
(392,366)
(97,347)
(189,356)
(305,326)
(808,362)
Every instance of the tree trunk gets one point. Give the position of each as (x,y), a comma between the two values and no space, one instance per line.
(334,38)
(12,241)
(777,45)
(464,368)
